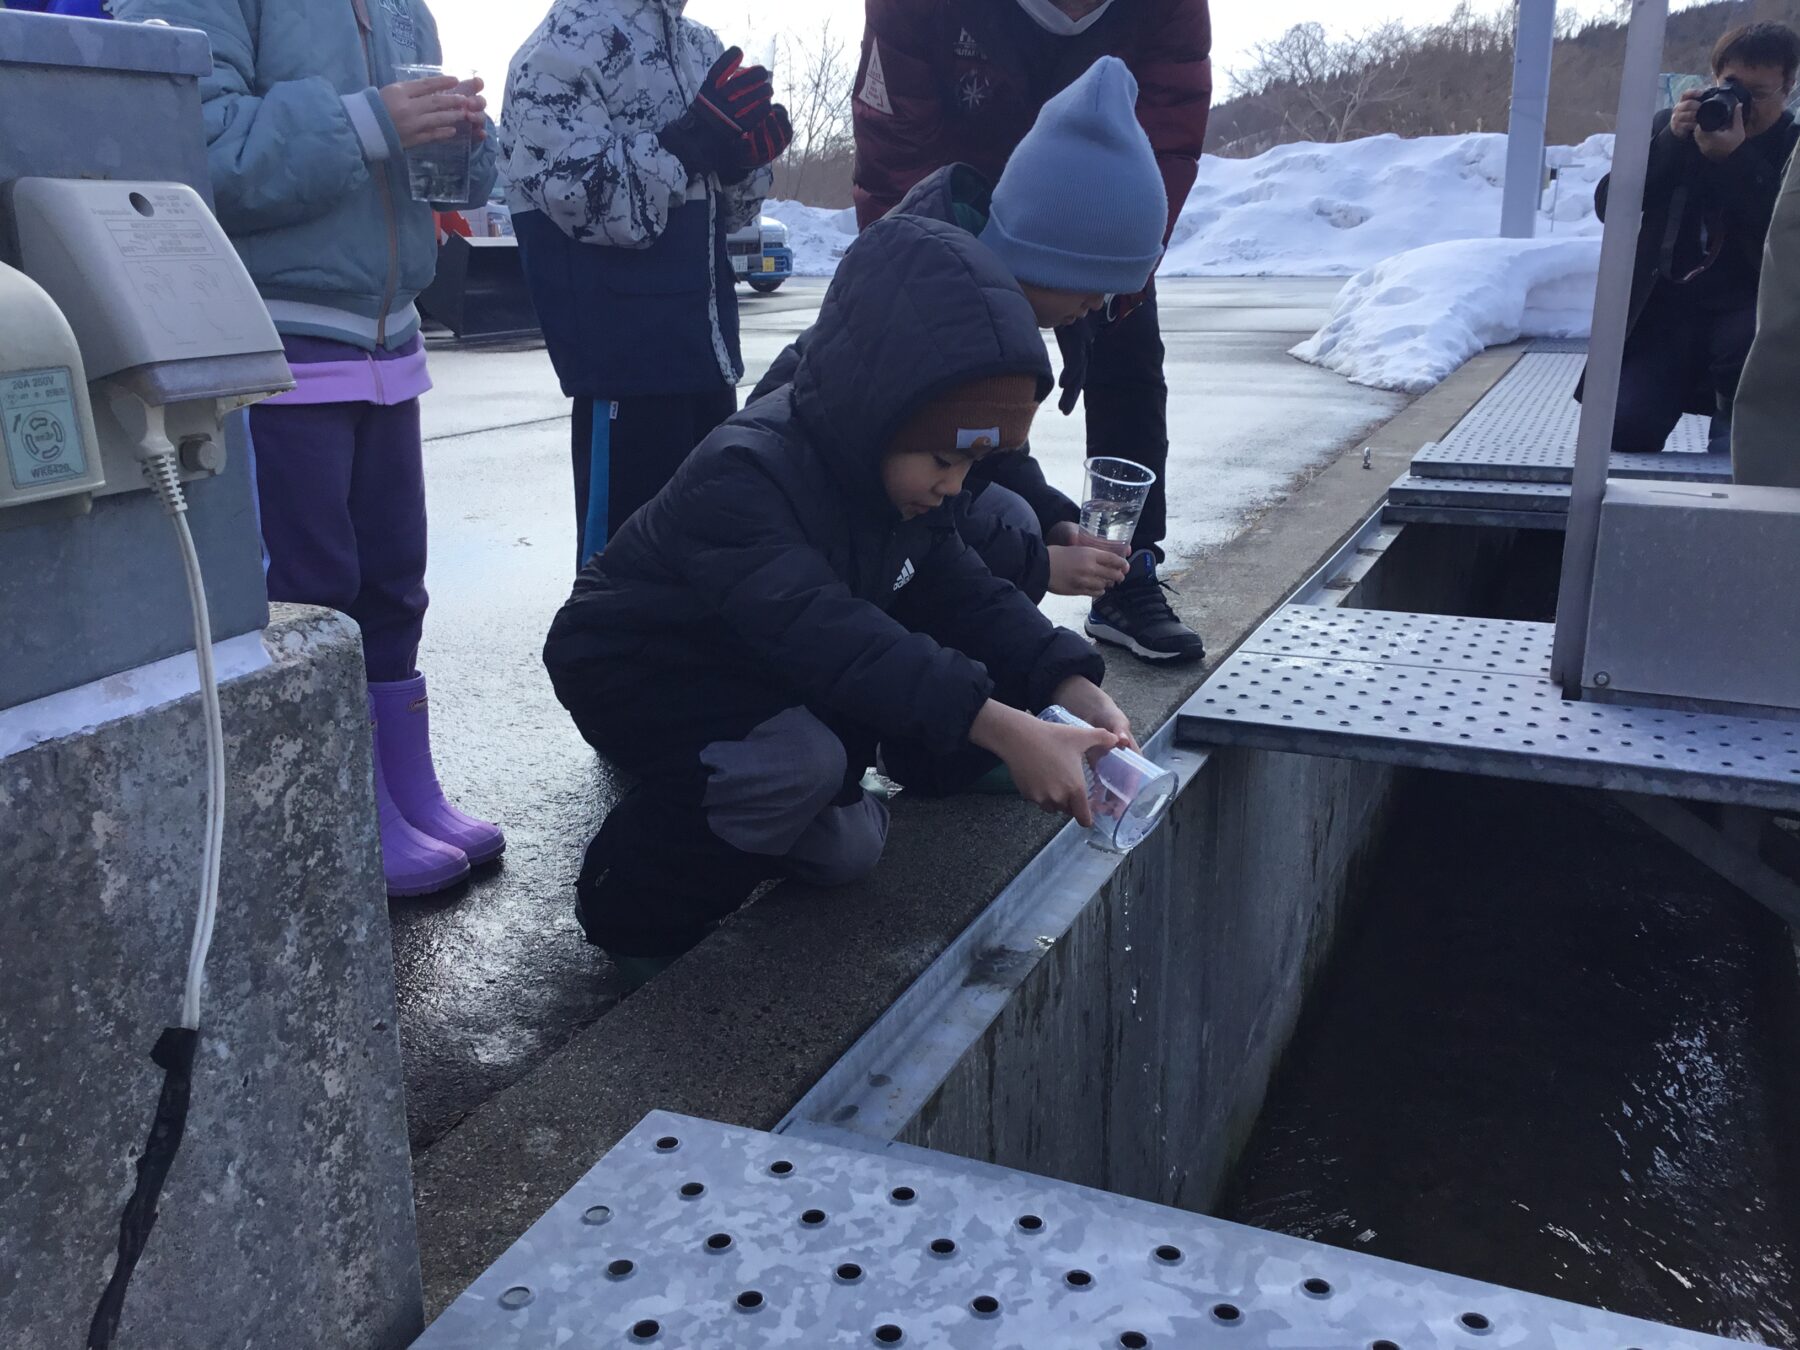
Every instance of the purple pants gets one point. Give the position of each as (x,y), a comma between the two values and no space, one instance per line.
(342,487)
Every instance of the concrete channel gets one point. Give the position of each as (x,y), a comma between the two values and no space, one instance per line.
(1024,1017)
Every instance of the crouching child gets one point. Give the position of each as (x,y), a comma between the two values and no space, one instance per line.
(798,600)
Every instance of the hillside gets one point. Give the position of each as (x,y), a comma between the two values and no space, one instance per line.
(1454,78)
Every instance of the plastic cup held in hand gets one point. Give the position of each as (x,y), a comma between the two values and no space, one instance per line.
(1117,491)
(1128,793)
(441,171)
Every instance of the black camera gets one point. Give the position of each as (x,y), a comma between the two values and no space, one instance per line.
(1719,104)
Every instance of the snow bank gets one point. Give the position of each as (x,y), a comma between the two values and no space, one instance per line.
(1334,210)
(1316,210)
(817,235)
(1412,319)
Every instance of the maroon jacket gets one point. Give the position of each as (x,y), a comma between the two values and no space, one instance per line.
(943,81)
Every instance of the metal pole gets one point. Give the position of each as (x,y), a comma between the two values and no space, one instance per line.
(1534,42)
(1606,350)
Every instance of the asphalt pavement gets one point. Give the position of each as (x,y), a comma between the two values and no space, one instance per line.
(493,976)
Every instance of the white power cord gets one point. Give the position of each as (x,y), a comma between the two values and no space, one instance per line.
(176,1047)
(162,467)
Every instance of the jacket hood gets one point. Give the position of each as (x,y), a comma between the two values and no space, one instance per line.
(955,193)
(917,307)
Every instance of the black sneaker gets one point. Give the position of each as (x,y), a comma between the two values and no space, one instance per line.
(1136,614)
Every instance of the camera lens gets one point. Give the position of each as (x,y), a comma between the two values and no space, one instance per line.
(1719,106)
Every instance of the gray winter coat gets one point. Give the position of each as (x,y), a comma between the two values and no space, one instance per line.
(1765,422)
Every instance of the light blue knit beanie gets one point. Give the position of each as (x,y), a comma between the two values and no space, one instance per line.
(1081,205)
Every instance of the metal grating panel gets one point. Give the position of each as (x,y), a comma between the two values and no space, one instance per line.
(1525,429)
(1432,641)
(1474,494)
(1576,345)
(1375,690)
(1478,517)
(698,1235)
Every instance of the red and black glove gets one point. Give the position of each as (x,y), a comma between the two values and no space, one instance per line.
(769,139)
(733,100)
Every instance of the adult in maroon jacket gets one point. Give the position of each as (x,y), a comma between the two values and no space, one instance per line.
(948,81)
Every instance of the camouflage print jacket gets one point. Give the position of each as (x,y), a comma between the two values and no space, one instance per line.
(585,98)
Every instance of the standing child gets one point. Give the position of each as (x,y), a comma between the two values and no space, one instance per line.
(1077,216)
(798,596)
(307,130)
(632,147)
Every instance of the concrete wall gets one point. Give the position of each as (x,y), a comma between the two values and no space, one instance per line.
(1136,1057)
(287,1219)
(1135,1054)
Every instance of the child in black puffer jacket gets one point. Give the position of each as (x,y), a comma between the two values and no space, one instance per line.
(798,596)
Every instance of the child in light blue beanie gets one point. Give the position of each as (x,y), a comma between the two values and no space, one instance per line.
(1080,207)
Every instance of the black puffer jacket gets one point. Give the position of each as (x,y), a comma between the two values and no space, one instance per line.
(960,196)
(774,551)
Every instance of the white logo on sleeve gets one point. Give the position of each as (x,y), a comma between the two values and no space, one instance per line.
(875,91)
(906,575)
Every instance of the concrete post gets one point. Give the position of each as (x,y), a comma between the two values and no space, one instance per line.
(287,1219)
(1534,42)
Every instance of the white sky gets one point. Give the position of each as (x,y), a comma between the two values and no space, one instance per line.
(483,34)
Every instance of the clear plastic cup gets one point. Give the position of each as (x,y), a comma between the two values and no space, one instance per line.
(1117,491)
(442,170)
(1128,793)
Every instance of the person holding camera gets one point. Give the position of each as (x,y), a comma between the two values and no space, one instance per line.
(1716,165)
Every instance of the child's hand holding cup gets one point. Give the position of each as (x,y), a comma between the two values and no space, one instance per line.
(439,116)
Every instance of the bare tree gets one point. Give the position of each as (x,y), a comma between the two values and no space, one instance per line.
(1326,87)
(816,75)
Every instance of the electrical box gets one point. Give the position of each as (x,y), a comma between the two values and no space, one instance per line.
(164,317)
(1694,599)
(151,285)
(46,423)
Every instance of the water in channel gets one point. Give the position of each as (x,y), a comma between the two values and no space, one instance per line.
(1554,1053)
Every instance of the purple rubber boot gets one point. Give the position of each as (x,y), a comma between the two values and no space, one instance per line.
(403,740)
(414,862)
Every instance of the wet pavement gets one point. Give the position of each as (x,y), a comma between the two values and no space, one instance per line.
(493,977)
(1553,1053)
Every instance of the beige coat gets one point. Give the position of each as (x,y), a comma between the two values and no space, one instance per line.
(1765,430)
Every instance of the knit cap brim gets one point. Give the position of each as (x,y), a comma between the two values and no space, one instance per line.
(993,413)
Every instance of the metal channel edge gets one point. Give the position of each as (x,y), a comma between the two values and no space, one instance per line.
(894,1068)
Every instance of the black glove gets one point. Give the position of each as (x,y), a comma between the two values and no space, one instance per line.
(733,101)
(764,145)
(1074,340)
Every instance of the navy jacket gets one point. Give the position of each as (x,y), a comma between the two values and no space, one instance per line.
(774,550)
(960,196)
(623,323)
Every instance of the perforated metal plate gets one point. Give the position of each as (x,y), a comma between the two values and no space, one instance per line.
(698,1235)
(1576,345)
(1474,696)
(1524,429)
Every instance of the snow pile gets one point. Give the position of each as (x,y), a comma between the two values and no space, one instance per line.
(1316,210)
(1412,319)
(1334,210)
(817,235)
(1412,221)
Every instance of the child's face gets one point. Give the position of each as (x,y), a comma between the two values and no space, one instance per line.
(1058,309)
(918,481)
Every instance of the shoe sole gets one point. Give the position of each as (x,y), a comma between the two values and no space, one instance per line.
(1119,639)
(412,890)
(486,855)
